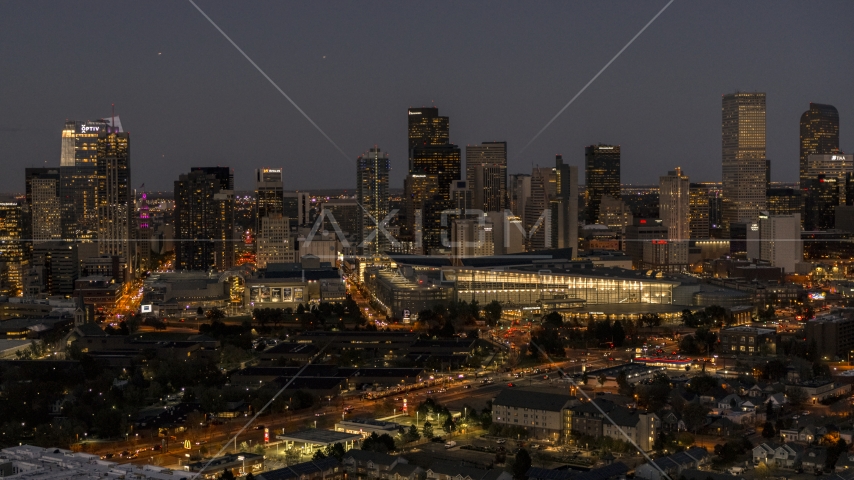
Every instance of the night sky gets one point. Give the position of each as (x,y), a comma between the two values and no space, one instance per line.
(500,71)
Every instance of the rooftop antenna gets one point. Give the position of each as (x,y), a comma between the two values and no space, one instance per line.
(113,123)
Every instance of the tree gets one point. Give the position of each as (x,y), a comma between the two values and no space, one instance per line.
(768,430)
(427,430)
(553,319)
(618,334)
(412,435)
(694,416)
(797,396)
(335,450)
(492,311)
(200,311)
(215,314)
(318,455)
(521,464)
(226,475)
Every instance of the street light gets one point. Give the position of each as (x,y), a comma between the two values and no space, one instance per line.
(242,459)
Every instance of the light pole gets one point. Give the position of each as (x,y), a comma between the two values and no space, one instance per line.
(242,459)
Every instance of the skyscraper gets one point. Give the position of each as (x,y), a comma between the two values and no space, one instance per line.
(143,233)
(486,175)
(430,154)
(565,206)
(602,176)
(43,204)
(204,221)
(674,205)
(427,128)
(698,211)
(743,157)
(819,135)
(13,258)
(519,190)
(269,195)
(537,220)
(297,207)
(78,166)
(113,196)
(223,175)
(372,171)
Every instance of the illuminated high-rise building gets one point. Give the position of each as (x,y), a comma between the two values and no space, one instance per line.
(43,204)
(698,211)
(269,195)
(204,221)
(113,195)
(143,233)
(427,128)
(430,154)
(601,175)
(819,135)
(13,258)
(486,175)
(418,188)
(274,242)
(783,201)
(744,165)
(372,171)
(674,204)
(78,167)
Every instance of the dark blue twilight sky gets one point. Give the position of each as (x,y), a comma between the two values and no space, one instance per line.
(500,70)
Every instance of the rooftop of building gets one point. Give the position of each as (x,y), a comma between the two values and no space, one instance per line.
(533,399)
(749,329)
(317,436)
(298,470)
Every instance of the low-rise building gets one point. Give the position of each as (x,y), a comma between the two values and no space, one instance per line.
(744,340)
(30,462)
(818,390)
(832,334)
(673,465)
(588,419)
(447,470)
(363,464)
(239,464)
(325,469)
(541,414)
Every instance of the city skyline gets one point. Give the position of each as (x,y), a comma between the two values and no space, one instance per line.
(179,119)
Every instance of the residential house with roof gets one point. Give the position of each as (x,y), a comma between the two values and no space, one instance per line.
(542,414)
(446,470)
(763,453)
(671,421)
(673,465)
(366,464)
(325,469)
(788,455)
(814,459)
(802,433)
(613,471)
(845,463)
(694,474)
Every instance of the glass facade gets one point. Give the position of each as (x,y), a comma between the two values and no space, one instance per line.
(528,288)
(819,134)
(372,170)
(602,175)
(744,166)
